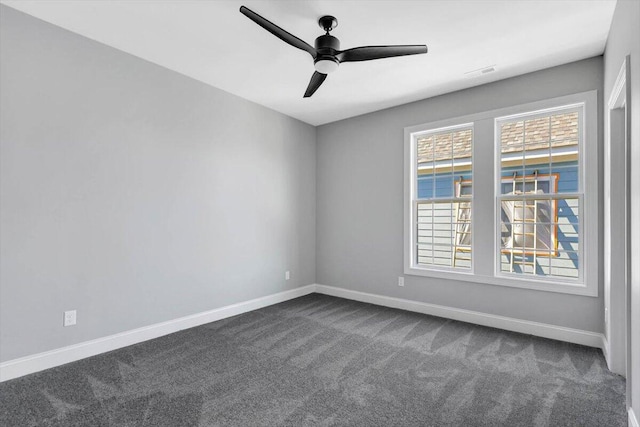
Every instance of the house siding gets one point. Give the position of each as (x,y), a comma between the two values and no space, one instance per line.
(437,223)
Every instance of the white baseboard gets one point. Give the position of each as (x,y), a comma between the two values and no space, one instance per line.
(38,362)
(576,336)
(605,350)
(617,368)
(633,421)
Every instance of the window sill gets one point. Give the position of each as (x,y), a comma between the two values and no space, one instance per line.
(512,282)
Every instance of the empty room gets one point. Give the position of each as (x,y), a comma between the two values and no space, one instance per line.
(317,213)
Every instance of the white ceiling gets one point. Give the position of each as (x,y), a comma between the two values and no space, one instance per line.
(213,42)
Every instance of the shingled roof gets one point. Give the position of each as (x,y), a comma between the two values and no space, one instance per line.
(557,130)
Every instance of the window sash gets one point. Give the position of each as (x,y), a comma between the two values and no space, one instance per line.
(499,251)
(453,223)
(553,196)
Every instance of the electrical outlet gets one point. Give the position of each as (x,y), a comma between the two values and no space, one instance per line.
(69,318)
(400,281)
(287,275)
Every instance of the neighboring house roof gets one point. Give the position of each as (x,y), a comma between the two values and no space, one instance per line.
(559,130)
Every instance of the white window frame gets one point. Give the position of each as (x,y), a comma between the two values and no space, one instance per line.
(484,268)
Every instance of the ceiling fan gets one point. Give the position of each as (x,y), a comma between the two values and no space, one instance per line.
(326,54)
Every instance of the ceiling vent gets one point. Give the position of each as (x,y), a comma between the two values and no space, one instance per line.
(480,71)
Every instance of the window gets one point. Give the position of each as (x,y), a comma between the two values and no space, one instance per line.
(539,194)
(443,206)
(532,171)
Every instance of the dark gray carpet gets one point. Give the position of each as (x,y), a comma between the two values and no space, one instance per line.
(319,360)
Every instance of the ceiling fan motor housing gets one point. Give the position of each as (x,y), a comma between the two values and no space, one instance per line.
(327,46)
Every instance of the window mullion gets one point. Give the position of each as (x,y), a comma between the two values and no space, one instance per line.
(483,196)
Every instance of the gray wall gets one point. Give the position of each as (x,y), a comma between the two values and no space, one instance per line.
(360,201)
(137,195)
(624,39)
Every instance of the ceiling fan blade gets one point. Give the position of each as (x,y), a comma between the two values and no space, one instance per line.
(278,32)
(314,84)
(367,53)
